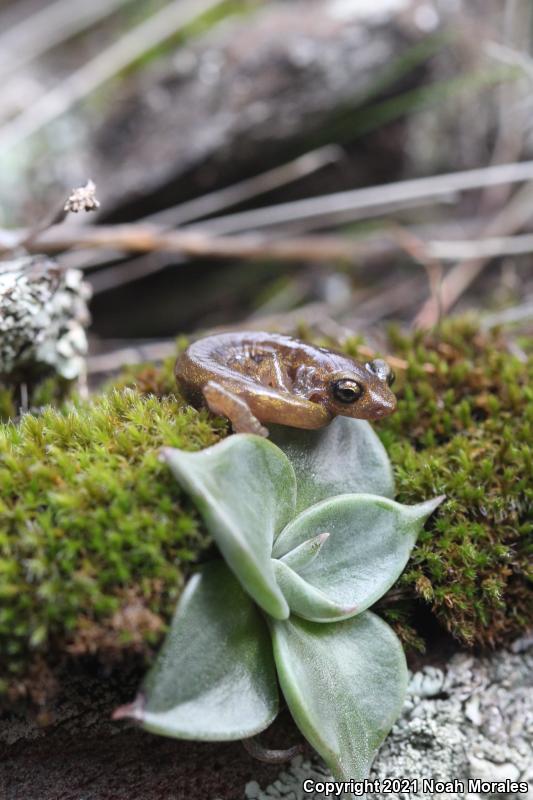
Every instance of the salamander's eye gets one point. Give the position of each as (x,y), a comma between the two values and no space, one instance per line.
(381,370)
(347,390)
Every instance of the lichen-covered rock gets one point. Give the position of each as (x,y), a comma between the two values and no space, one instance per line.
(43,315)
(472,720)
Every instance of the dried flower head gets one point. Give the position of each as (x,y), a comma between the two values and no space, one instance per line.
(82,199)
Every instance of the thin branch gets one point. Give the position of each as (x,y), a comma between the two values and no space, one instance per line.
(516,215)
(205,205)
(93,259)
(433,266)
(82,198)
(357,204)
(139,238)
(134,269)
(248,189)
(510,56)
(210,203)
(116,359)
(509,316)
(486,248)
(152,32)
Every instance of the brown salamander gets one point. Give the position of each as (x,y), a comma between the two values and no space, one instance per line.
(255,377)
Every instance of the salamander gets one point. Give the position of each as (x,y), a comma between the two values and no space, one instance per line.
(254,378)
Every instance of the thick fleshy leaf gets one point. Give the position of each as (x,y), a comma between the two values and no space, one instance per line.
(344,684)
(214,678)
(245,490)
(305,553)
(306,600)
(344,457)
(368,547)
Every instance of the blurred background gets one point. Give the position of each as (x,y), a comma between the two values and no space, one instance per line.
(287,164)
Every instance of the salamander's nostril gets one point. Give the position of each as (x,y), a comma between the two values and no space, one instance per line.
(383,403)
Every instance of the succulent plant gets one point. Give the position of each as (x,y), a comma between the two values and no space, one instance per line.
(310,538)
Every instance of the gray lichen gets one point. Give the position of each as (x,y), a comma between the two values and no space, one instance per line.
(43,315)
(475,720)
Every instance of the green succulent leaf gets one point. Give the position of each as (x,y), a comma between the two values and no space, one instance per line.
(245,489)
(368,547)
(305,553)
(344,684)
(306,600)
(342,458)
(214,678)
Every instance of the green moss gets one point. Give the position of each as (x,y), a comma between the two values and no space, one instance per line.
(465,430)
(96,538)
(149,379)
(92,527)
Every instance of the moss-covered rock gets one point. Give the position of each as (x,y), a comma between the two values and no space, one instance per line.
(466,430)
(96,538)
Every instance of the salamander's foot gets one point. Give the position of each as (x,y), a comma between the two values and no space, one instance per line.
(222,401)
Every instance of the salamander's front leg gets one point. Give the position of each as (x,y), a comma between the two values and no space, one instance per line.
(221,401)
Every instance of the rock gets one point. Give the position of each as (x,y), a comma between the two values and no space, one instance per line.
(43,315)
(489,771)
(450,733)
(473,720)
(252,790)
(472,711)
(245,96)
(427,683)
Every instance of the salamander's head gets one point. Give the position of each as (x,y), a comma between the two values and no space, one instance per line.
(362,390)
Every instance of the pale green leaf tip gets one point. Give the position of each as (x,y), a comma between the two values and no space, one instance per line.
(281,610)
(424,510)
(168,454)
(164,454)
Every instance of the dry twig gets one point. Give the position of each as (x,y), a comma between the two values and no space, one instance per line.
(140,238)
(357,204)
(191,243)
(516,214)
(248,189)
(83,198)
(136,268)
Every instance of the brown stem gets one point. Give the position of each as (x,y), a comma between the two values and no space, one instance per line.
(82,198)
